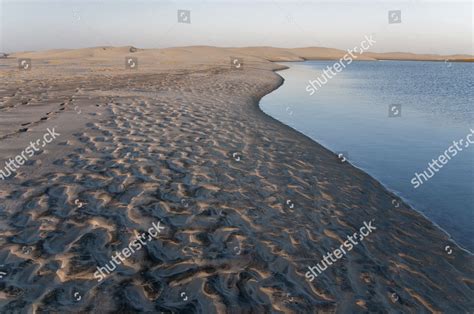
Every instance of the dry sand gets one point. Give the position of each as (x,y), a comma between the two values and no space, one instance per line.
(156,144)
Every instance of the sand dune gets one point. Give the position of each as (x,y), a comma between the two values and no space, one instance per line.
(268,53)
(159,144)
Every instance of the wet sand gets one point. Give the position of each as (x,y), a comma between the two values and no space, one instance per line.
(182,140)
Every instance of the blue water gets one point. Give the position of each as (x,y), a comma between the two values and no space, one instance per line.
(350,113)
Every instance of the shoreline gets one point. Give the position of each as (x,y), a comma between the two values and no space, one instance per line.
(159,144)
(395,193)
(404,202)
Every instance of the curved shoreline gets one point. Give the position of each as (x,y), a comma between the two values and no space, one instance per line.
(395,193)
(159,144)
(403,203)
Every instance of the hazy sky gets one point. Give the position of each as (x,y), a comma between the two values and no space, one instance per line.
(443,27)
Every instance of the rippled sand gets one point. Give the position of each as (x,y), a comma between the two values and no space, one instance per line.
(182,141)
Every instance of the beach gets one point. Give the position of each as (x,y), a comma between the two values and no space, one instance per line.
(247,203)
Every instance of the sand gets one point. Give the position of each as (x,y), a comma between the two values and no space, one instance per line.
(182,140)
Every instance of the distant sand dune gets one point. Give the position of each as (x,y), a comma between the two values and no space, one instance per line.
(268,53)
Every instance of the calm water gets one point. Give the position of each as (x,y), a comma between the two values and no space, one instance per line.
(350,114)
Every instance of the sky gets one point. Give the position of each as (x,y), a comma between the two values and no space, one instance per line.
(440,27)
